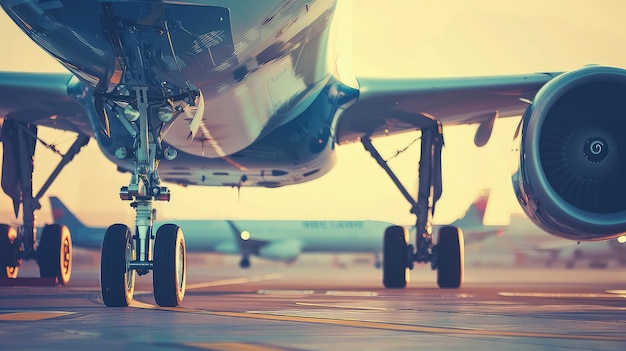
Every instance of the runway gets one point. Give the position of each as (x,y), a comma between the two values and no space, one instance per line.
(313,305)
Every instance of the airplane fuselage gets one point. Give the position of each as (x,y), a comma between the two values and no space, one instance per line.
(249,85)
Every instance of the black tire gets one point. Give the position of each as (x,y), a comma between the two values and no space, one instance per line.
(117,280)
(450,258)
(9,252)
(244,263)
(170,266)
(395,256)
(54,253)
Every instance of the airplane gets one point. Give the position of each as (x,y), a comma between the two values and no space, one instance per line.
(521,241)
(238,94)
(278,240)
(528,242)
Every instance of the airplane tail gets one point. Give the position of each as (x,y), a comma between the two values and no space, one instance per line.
(475,213)
(62,215)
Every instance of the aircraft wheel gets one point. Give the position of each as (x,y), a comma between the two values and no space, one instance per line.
(170,266)
(395,257)
(54,253)
(9,252)
(117,280)
(244,263)
(450,260)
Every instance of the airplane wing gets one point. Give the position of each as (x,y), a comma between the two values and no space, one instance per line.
(42,99)
(389,106)
(385,106)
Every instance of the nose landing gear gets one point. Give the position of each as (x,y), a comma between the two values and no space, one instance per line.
(124,255)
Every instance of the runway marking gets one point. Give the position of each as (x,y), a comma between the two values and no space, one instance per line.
(342,306)
(233,346)
(413,328)
(384,325)
(352,293)
(561,295)
(286,292)
(234,281)
(32,316)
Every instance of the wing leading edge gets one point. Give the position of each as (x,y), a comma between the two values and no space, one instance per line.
(389,106)
(42,99)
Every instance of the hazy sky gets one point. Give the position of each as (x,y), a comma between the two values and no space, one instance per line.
(400,38)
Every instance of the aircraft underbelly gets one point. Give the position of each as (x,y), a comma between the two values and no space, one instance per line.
(235,117)
(251,78)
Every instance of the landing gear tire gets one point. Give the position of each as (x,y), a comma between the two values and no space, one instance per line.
(54,253)
(9,251)
(450,258)
(117,280)
(395,256)
(244,263)
(170,266)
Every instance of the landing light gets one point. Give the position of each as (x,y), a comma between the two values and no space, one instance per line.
(245,235)
(621,239)
(165,114)
(130,113)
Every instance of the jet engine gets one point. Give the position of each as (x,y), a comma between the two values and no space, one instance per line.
(571,179)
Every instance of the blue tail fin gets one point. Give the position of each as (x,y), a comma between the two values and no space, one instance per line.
(62,215)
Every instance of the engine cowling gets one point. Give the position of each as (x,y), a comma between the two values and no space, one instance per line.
(571,179)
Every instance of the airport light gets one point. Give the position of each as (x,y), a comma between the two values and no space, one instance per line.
(245,235)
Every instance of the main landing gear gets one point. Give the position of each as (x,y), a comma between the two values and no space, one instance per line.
(398,255)
(53,251)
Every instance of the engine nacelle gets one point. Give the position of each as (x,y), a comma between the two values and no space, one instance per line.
(571,179)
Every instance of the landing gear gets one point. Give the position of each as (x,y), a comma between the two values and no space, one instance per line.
(170,266)
(54,253)
(137,111)
(395,257)
(9,252)
(117,279)
(245,262)
(450,257)
(398,256)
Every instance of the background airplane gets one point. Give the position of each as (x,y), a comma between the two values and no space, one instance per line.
(521,242)
(278,240)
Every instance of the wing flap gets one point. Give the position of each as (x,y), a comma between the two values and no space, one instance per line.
(390,106)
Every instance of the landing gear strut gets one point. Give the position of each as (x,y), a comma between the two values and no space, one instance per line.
(398,256)
(138,113)
(54,250)
(125,255)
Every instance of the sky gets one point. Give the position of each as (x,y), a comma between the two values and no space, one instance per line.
(402,38)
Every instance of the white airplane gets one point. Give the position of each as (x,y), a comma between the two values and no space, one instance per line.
(279,240)
(214,93)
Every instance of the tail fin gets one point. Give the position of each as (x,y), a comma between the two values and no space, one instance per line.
(62,215)
(476,212)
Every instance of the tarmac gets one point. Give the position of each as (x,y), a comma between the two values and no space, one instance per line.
(316,304)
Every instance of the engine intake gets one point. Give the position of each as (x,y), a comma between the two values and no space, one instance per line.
(572,175)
